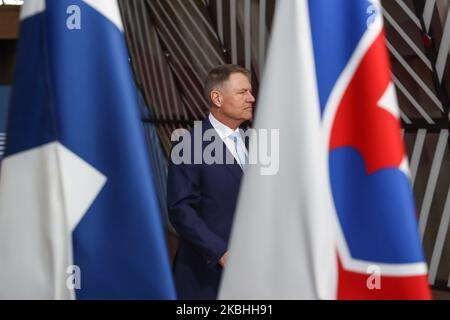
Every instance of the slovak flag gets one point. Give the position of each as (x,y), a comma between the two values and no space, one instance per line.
(338,220)
(79,216)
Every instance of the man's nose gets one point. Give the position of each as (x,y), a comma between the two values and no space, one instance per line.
(250,97)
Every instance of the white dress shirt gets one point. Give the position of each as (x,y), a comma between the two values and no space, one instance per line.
(224,133)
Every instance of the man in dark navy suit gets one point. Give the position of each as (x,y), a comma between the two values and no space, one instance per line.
(202,195)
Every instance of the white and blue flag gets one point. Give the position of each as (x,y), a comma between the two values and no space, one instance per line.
(79,216)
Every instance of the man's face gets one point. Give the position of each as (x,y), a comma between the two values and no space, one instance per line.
(237,98)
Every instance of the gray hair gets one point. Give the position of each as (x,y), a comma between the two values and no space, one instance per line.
(219,75)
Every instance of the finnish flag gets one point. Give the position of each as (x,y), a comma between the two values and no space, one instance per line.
(79,216)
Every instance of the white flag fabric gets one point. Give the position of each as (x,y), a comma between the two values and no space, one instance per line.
(282,243)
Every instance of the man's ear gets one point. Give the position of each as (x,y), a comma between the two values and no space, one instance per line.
(216,98)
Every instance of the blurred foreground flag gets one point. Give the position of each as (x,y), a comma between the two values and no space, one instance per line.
(77,206)
(338,219)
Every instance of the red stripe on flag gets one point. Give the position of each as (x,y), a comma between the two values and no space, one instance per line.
(354,286)
(360,123)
